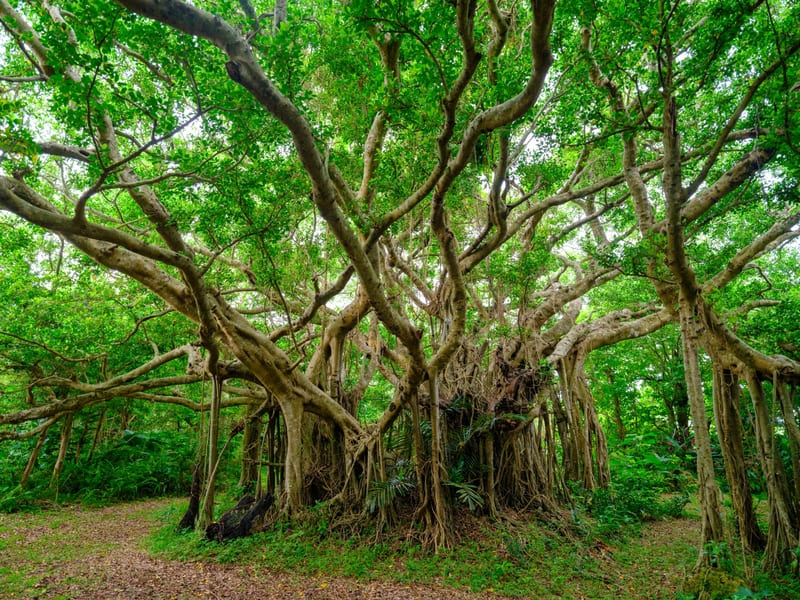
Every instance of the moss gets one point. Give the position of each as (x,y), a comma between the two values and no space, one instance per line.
(712,584)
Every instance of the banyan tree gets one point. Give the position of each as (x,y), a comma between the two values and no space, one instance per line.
(380,240)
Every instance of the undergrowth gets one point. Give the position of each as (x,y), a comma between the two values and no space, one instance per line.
(647,485)
(137,465)
(531,559)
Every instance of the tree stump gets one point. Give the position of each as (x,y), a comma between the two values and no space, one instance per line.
(238,521)
(187,522)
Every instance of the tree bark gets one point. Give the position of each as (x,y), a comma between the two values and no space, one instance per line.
(782,535)
(729,430)
(32,458)
(442,519)
(708,492)
(292,412)
(251,452)
(66,433)
(784,396)
(97,431)
(617,409)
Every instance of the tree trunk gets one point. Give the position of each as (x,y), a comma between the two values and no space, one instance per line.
(782,534)
(708,493)
(487,445)
(729,430)
(98,429)
(32,458)
(617,409)
(66,433)
(212,459)
(274,441)
(81,440)
(785,398)
(570,465)
(680,402)
(594,430)
(292,412)
(442,520)
(251,453)
(280,14)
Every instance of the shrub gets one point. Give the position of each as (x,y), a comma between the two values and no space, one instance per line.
(644,486)
(140,465)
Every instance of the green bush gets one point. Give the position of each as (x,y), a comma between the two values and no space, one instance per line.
(645,486)
(140,465)
(716,584)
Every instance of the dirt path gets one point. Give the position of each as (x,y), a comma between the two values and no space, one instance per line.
(100,557)
(80,553)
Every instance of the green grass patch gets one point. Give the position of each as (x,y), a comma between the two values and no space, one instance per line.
(529,560)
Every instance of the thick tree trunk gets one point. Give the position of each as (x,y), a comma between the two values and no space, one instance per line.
(292,412)
(729,430)
(708,493)
(785,399)
(251,453)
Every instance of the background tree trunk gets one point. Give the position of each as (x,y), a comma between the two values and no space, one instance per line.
(212,458)
(32,458)
(66,433)
(783,521)
(251,451)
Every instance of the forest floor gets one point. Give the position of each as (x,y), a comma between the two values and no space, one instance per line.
(100,553)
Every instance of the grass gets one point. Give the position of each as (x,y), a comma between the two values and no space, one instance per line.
(37,547)
(531,560)
(42,539)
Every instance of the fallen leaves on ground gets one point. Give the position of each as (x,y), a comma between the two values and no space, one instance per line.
(115,567)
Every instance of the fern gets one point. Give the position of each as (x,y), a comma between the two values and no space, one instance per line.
(400,483)
(383,493)
(467,493)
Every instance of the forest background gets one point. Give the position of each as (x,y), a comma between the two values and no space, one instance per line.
(422,257)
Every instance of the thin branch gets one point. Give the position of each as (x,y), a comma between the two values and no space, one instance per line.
(55,353)
(154,69)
